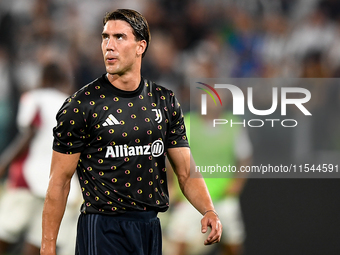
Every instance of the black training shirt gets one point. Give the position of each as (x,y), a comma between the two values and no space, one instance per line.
(123,137)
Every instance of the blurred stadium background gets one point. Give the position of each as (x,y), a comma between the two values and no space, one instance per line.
(202,38)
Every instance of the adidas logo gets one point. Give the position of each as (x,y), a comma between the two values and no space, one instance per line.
(111,121)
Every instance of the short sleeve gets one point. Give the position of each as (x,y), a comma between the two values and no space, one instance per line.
(70,132)
(177,136)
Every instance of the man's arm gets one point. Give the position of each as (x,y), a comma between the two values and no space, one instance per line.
(195,191)
(63,167)
(16,148)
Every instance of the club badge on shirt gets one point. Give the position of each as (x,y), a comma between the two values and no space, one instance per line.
(158,113)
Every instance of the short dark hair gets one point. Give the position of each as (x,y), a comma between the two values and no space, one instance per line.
(53,75)
(137,22)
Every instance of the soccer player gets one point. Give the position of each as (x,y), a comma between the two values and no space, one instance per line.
(223,147)
(29,159)
(116,132)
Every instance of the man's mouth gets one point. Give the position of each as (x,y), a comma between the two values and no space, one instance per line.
(110,58)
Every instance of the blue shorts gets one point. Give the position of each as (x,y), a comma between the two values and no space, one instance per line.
(133,233)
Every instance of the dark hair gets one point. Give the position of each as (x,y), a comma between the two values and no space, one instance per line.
(137,22)
(53,75)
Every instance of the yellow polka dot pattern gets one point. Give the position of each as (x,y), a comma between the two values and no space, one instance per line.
(114,131)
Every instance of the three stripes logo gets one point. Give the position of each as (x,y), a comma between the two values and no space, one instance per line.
(111,121)
(204,97)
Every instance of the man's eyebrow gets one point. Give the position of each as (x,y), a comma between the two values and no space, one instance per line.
(119,35)
(115,35)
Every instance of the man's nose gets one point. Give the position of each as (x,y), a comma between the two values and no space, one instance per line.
(110,44)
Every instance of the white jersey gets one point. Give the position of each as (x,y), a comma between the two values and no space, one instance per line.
(39,107)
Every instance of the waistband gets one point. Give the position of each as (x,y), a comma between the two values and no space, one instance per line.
(132,215)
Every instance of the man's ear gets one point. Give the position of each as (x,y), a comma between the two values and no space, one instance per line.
(141,47)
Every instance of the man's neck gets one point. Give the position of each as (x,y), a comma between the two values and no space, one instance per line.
(125,82)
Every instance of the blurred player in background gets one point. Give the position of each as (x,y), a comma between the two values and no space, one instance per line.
(221,145)
(29,160)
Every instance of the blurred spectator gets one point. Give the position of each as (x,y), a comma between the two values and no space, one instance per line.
(255,38)
(315,33)
(244,41)
(273,48)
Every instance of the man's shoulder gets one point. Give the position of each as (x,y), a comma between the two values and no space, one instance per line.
(83,95)
(155,88)
(89,88)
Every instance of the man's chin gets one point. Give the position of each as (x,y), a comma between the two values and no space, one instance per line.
(112,69)
(111,72)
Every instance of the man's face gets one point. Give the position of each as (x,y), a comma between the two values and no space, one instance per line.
(120,49)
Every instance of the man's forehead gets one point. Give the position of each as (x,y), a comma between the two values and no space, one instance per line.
(117,26)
